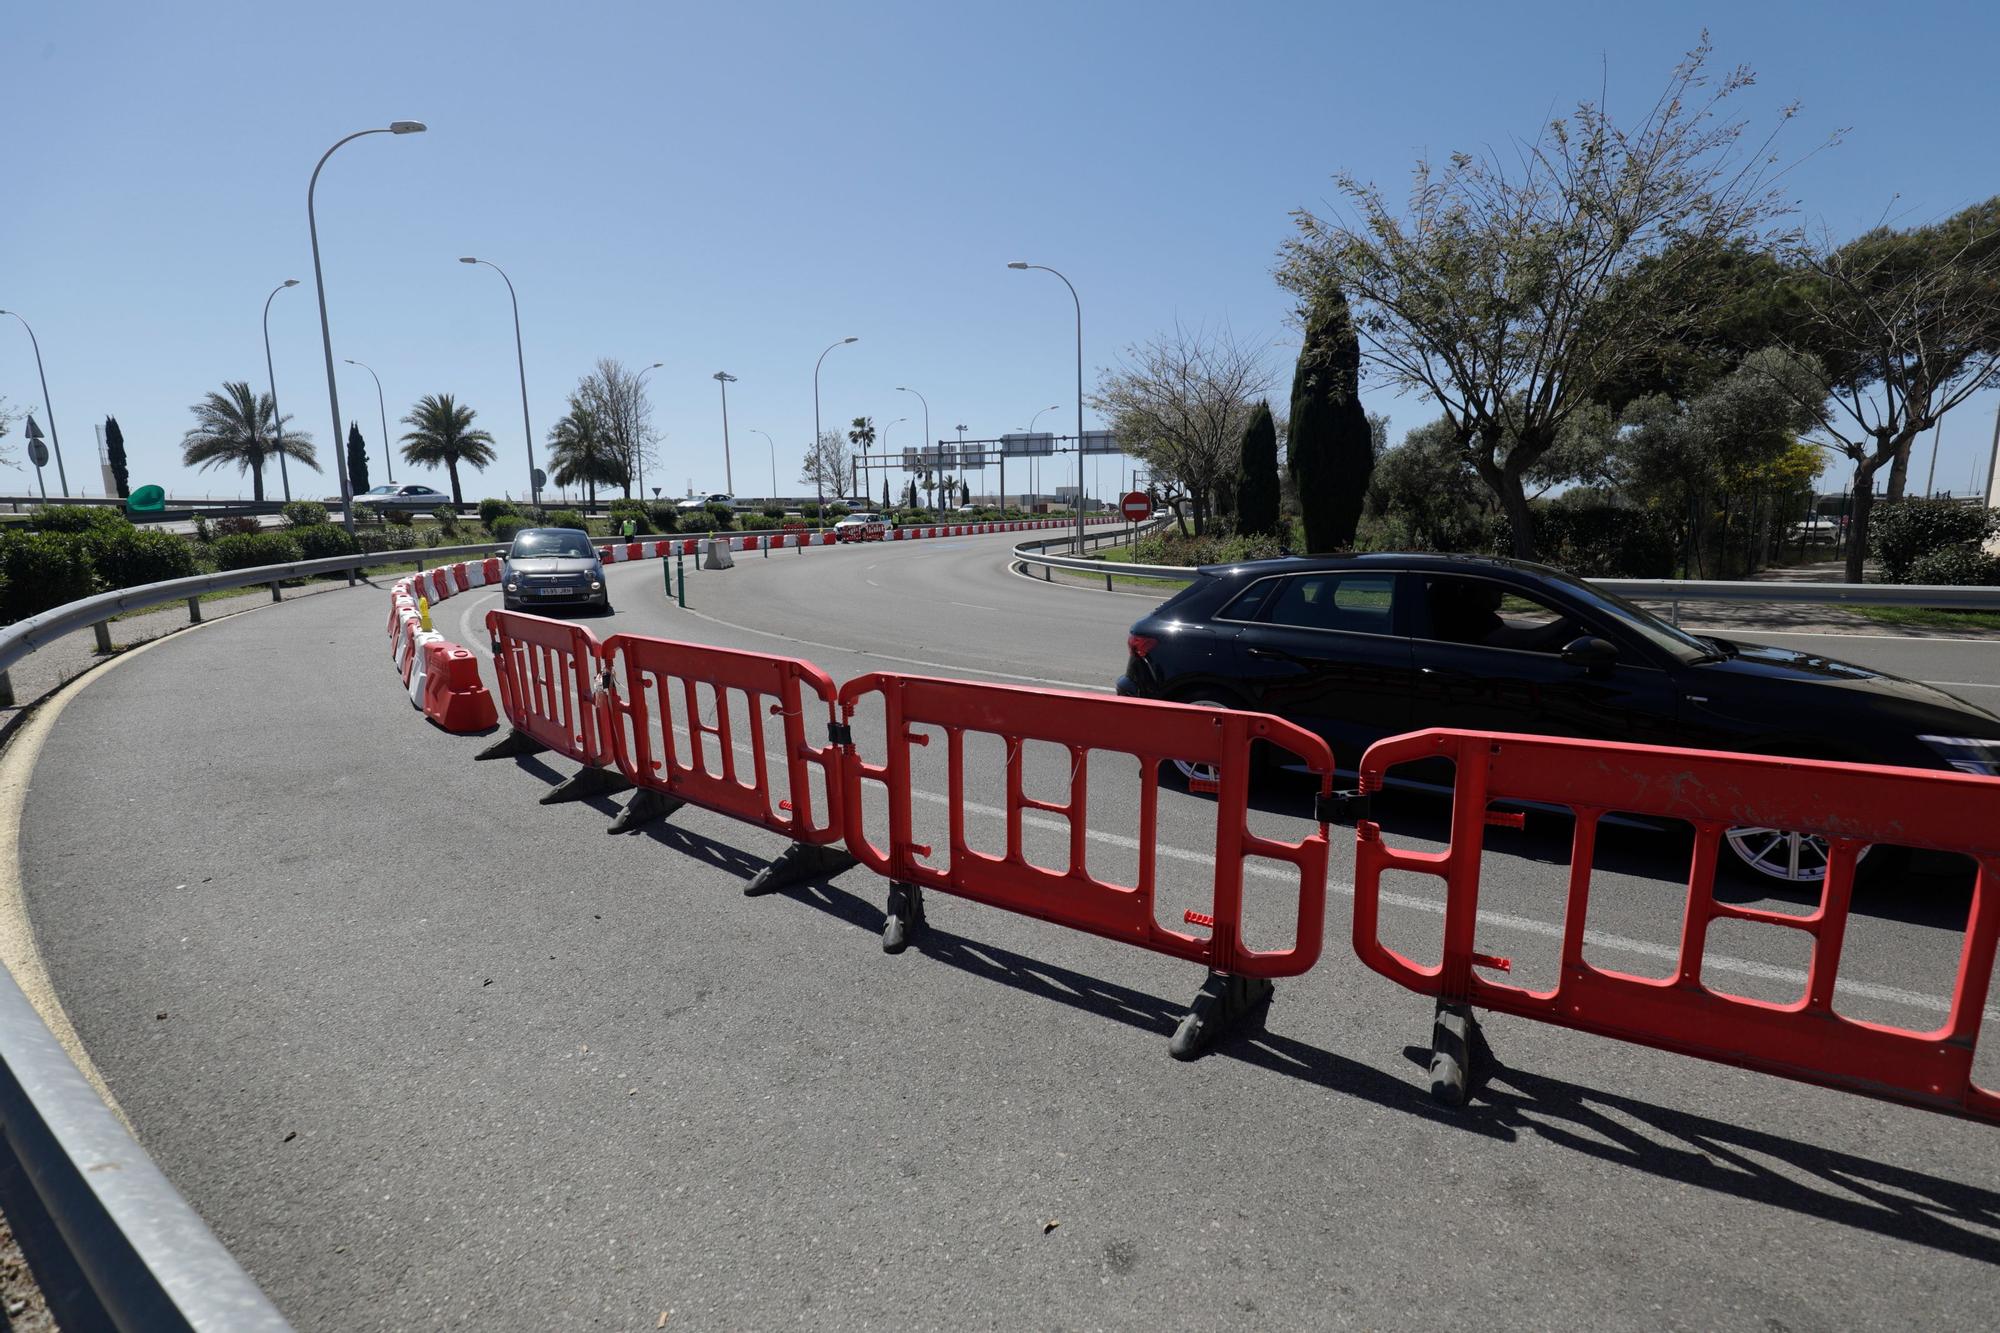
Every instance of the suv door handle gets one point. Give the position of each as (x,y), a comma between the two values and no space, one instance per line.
(1266,652)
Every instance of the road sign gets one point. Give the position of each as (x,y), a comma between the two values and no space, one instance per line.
(1023,445)
(38,453)
(1100,442)
(1137,506)
(540,478)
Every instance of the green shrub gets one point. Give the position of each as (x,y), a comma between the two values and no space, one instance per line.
(666,518)
(323,541)
(128,559)
(398,518)
(834,513)
(762,522)
(245,550)
(204,531)
(81,519)
(1900,534)
(810,509)
(1607,541)
(303,513)
(400,537)
(42,570)
(234,526)
(448,523)
(721,517)
(490,509)
(564,518)
(505,526)
(1956,566)
(1170,548)
(635,510)
(772,511)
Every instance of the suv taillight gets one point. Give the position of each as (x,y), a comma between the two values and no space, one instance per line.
(1140,644)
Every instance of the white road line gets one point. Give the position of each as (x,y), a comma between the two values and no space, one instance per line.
(1965,684)
(974,606)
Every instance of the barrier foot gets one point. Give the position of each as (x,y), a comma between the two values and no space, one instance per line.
(586,783)
(905,916)
(645,806)
(798,863)
(1460,1057)
(514,745)
(1224,1001)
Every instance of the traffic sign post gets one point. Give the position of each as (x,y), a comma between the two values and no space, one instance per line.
(1137,506)
(38,454)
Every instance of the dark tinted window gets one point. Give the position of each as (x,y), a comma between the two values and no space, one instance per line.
(1360,603)
(1490,615)
(1248,602)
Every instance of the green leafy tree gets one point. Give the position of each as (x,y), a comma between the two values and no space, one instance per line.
(442,435)
(114,446)
(583,452)
(240,428)
(357,458)
(1515,290)
(1330,446)
(862,433)
(1257,491)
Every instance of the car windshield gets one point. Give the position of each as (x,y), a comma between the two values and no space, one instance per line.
(547,542)
(1641,622)
(380,490)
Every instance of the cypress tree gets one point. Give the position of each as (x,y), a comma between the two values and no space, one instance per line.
(357,458)
(885,493)
(114,447)
(1332,449)
(1257,492)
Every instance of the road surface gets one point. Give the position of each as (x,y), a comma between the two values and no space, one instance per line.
(428,1054)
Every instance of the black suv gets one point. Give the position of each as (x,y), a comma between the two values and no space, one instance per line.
(1356,648)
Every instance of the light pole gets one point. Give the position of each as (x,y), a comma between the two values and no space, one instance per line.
(725,379)
(928,443)
(819,478)
(1023,264)
(381,410)
(325,329)
(639,456)
(885,452)
(1038,416)
(47,410)
(277,421)
(774,460)
(521,362)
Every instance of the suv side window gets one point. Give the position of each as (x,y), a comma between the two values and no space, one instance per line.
(1246,604)
(1489,615)
(1340,600)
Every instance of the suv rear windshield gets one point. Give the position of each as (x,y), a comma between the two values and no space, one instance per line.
(542,542)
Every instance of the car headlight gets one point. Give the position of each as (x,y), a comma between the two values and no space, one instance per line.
(595,584)
(513,586)
(1967,754)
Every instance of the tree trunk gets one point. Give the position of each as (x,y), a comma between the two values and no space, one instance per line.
(1899,471)
(457,497)
(257,480)
(1857,524)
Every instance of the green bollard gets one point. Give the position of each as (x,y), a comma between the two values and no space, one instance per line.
(681,561)
(667,569)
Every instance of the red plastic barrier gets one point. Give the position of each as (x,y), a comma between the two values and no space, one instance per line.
(454,697)
(547,672)
(1850,805)
(667,738)
(1156,733)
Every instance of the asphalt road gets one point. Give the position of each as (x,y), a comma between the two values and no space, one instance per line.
(436,1056)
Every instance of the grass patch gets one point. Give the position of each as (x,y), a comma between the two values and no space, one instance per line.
(1925,617)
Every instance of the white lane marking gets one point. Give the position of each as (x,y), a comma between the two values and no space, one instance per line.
(1965,684)
(976,606)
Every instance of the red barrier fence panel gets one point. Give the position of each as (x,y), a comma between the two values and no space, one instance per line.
(547,672)
(1155,734)
(1850,806)
(693,724)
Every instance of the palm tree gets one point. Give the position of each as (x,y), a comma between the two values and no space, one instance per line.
(444,435)
(241,427)
(583,451)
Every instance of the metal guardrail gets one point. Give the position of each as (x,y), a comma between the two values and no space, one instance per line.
(1675,591)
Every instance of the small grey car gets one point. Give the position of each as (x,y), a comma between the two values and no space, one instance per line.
(550,567)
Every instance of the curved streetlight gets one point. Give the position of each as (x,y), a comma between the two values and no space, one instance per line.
(639,382)
(49,411)
(1031,430)
(521,362)
(928,441)
(1023,264)
(885,449)
(381,410)
(277,422)
(819,481)
(326,330)
(774,460)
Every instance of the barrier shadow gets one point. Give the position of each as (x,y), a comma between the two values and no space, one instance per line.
(1688,1149)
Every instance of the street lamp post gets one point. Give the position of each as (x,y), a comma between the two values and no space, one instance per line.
(774,460)
(1023,264)
(725,379)
(819,477)
(885,452)
(1030,431)
(639,455)
(521,363)
(277,421)
(47,409)
(928,441)
(382,411)
(325,329)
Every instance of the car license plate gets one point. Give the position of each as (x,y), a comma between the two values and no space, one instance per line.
(552,592)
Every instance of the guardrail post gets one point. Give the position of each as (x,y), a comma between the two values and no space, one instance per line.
(194,610)
(102,629)
(276,594)
(6,690)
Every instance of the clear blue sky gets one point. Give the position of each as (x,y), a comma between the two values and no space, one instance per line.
(736,186)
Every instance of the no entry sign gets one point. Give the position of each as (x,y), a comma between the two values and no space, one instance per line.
(1137,506)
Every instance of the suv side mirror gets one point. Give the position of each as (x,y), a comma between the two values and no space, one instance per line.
(1593,654)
